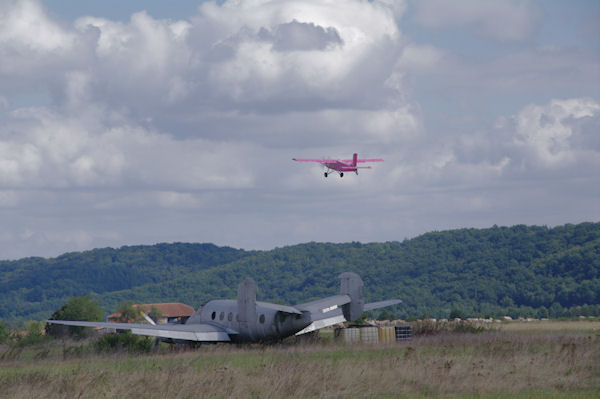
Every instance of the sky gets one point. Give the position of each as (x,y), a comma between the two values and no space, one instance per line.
(126,123)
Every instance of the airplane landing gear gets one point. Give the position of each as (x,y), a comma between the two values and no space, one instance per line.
(341,174)
(325,174)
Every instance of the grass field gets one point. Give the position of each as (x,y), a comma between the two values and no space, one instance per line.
(494,364)
(553,326)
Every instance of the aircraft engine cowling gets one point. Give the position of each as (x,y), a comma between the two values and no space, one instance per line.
(352,285)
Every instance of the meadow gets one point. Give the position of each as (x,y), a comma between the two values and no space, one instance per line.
(505,362)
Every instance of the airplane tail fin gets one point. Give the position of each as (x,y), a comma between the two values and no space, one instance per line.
(352,285)
(354,159)
(246,303)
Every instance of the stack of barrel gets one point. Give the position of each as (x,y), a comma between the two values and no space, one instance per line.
(373,335)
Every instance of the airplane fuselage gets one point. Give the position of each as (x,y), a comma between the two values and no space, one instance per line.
(341,166)
(269,323)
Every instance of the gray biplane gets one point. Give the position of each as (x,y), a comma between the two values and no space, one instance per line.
(246,320)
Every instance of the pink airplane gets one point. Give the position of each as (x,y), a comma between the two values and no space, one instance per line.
(341,166)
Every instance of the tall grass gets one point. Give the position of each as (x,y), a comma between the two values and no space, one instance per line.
(487,365)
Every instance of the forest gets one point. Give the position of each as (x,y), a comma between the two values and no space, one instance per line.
(520,271)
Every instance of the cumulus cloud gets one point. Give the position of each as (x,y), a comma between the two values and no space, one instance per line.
(561,132)
(25,25)
(298,36)
(55,150)
(150,129)
(539,142)
(114,84)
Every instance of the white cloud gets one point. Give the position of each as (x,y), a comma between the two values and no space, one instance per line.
(551,135)
(24,24)
(508,20)
(162,130)
(54,150)
(417,58)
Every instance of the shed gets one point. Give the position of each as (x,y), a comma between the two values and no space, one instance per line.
(172,312)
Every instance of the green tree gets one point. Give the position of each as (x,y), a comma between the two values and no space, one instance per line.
(155,314)
(385,314)
(457,314)
(77,308)
(4,332)
(361,320)
(128,313)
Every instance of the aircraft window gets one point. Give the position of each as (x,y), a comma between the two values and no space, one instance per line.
(221,316)
(213,315)
(262,319)
(230,316)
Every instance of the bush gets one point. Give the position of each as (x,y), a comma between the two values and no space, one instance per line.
(467,327)
(77,308)
(4,332)
(457,314)
(33,334)
(432,326)
(123,342)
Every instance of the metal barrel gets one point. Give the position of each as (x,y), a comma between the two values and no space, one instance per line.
(369,335)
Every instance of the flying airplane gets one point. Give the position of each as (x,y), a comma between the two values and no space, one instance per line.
(246,320)
(341,166)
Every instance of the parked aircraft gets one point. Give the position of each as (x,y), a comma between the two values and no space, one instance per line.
(246,320)
(341,166)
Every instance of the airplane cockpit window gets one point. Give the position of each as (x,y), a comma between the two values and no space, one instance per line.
(262,319)
(213,315)
(230,316)
(222,316)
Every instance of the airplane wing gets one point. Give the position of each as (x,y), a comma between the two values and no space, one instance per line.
(314,160)
(381,304)
(328,312)
(324,312)
(322,306)
(370,160)
(191,332)
(363,160)
(279,308)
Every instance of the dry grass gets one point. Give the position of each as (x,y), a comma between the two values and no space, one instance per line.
(486,365)
(552,326)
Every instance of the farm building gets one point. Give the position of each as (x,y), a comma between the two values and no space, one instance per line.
(174,312)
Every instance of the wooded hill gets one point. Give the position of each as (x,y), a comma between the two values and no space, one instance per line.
(516,271)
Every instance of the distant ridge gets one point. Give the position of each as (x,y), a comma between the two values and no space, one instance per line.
(518,270)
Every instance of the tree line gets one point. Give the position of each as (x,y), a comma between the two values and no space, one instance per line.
(528,271)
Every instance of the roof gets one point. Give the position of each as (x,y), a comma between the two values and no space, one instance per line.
(172,309)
